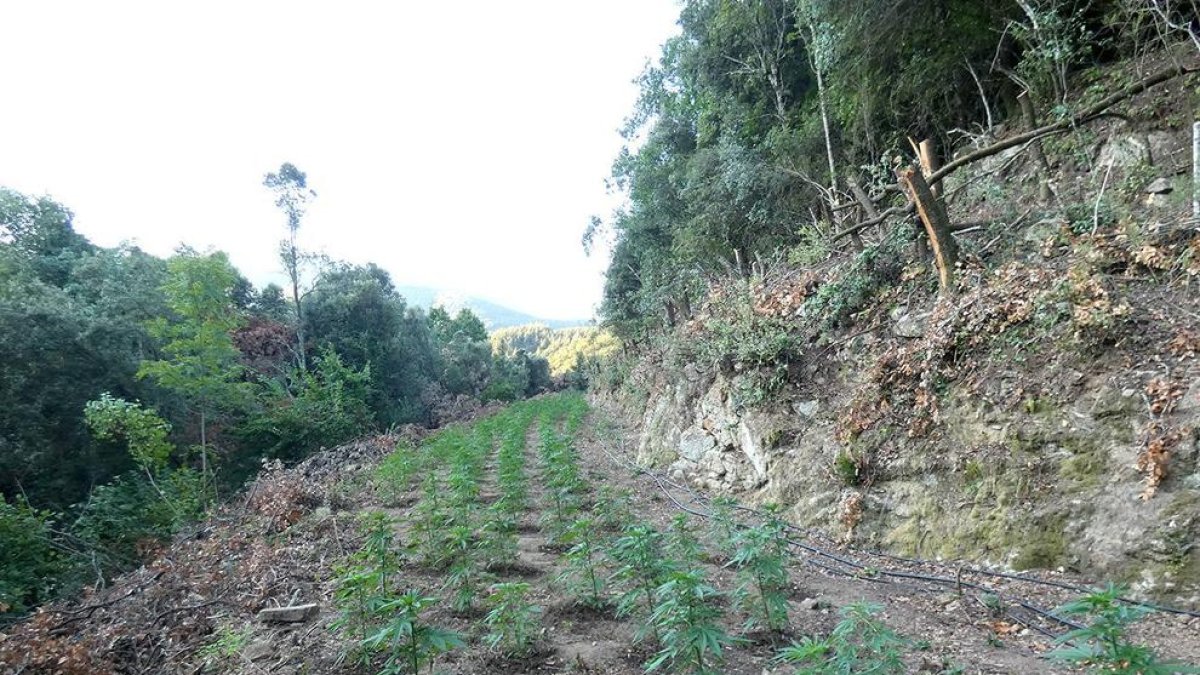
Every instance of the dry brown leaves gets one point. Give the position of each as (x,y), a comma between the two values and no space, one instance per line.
(851,513)
(905,377)
(279,496)
(249,554)
(785,298)
(1185,344)
(1156,456)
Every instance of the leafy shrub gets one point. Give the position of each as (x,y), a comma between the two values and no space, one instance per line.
(873,269)
(30,565)
(326,407)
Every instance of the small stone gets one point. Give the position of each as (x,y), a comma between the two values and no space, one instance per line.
(258,650)
(806,408)
(1159,186)
(810,604)
(909,324)
(295,614)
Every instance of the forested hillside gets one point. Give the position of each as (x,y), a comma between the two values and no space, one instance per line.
(924,273)
(579,349)
(136,391)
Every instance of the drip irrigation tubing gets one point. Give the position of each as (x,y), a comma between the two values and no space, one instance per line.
(918,561)
(866,572)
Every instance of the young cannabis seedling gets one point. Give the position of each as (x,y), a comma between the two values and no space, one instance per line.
(583,573)
(1102,643)
(379,550)
(611,509)
(465,576)
(860,643)
(686,616)
(497,546)
(760,556)
(430,521)
(407,641)
(512,622)
(640,568)
(682,543)
(723,528)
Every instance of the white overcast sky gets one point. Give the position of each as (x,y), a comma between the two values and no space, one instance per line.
(461,145)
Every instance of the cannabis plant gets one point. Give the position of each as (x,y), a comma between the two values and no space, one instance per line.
(640,568)
(760,557)
(583,573)
(407,641)
(860,643)
(686,615)
(1103,644)
(512,622)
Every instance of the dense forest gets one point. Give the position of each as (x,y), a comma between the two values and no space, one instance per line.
(137,390)
(577,350)
(763,123)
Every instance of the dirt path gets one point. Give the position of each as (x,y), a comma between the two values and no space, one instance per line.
(957,629)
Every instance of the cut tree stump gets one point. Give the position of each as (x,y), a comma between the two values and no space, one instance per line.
(937,224)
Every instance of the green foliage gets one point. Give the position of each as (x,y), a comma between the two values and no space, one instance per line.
(850,467)
(323,408)
(30,564)
(562,348)
(611,508)
(583,573)
(465,576)
(431,517)
(872,270)
(358,312)
(860,643)
(227,644)
(405,639)
(639,569)
(130,511)
(722,527)
(143,430)
(760,558)
(682,543)
(512,622)
(201,363)
(687,615)
(1102,644)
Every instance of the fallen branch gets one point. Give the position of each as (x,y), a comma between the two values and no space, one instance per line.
(1088,114)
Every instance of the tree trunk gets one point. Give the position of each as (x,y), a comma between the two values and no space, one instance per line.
(1196,170)
(868,207)
(937,224)
(204,447)
(822,103)
(293,264)
(1039,154)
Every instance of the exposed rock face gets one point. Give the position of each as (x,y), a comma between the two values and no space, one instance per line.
(1041,485)
(1124,151)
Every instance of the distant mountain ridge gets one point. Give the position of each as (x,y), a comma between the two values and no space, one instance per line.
(493,315)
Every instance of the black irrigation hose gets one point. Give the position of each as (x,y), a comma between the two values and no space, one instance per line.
(958,583)
(972,570)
